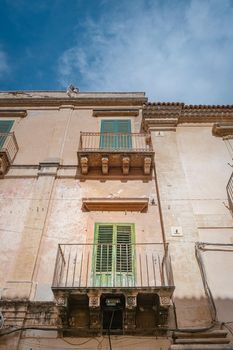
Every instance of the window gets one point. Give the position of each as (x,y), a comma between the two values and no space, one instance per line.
(114,255)
(122,129)
(5,127)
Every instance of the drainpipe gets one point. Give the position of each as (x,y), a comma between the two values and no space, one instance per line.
(160,209)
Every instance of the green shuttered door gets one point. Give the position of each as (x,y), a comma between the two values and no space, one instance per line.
(113,255)
(5,127)
(122,127)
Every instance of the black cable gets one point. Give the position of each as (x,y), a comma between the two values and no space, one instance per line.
(184,330)
(30,328)
(205,283)
(227,327)
(109,330)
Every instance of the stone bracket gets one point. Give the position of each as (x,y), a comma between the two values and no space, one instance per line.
(4,164)
(125,165)
(84,165)
(105,166)
(147,165)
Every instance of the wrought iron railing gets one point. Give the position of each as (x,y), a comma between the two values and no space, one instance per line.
(112,265)
(230,193)
(115,142)
(8,145)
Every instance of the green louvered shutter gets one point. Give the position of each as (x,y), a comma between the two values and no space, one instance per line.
(103,256)
(115,141)
(124,255)
(5,127)
(113,256)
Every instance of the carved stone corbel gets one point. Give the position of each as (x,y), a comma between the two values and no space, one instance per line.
(3,165)
(94,301)
(84,165)
(61,301)
(130,313)
(147,165)
(125,165)
(104,161)
(165,302)
(94,311)
(131,301)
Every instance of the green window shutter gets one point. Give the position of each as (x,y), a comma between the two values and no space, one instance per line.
(5,127)
(117,125)
(115,141)
(108,126)
(124,249)
(113,255)
(104,248)
(123,126)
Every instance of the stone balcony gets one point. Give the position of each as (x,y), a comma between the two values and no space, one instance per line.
(114,155)
(8,151)
(133,280)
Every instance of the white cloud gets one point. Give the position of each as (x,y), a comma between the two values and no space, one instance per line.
(4,66)
(174,51)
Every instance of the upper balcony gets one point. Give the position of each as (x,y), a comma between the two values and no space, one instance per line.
(8,151)
(115,155)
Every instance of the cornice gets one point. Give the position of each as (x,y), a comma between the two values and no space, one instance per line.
(161,115)
(13,113)
(113,112)
(75,102)
(222,129)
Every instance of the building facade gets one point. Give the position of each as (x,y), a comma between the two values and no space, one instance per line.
(115,222)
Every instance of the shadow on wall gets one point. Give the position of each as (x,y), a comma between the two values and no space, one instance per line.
(198,313)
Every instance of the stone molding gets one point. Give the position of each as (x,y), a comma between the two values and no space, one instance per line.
(70,101)
(223,129)
(165,116)
(13,113)
(115,112)
(115,204)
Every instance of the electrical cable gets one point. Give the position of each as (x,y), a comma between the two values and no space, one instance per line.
(86,341)
(1,320)
(30,328)
(184,330)
(227,327)
(109,330)
(205,283)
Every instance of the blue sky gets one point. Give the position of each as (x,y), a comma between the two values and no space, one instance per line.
(174,50)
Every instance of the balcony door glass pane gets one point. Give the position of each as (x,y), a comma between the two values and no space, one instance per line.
(121,139)
(113,256)
(5,127)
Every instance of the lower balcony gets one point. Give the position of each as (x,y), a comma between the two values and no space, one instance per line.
(8,151)
(115,155)
(93,281)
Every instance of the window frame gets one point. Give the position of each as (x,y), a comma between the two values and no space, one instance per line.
(111,278)
(121,139)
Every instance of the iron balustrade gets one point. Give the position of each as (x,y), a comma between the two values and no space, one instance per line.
(112,265)
(8,145)
(230,193)
(115,142)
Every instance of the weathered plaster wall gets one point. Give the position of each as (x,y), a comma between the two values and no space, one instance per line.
(36,214)
(118,343)
(191,304)
(15,200)
(67,223)
(205,160)
(193,170)
(57,133)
